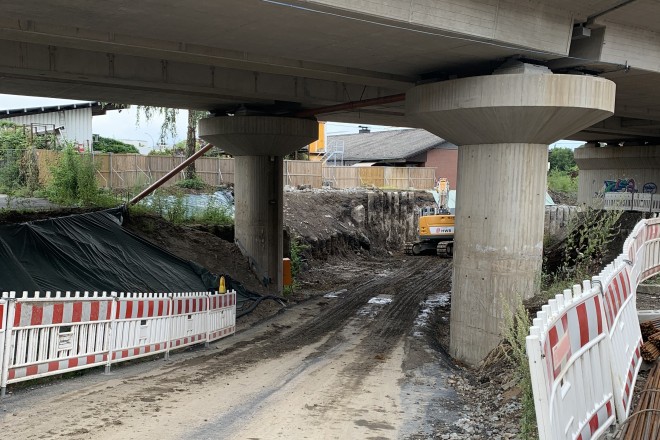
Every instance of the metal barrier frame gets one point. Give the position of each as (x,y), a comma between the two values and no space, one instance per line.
(609,378)
(103,329)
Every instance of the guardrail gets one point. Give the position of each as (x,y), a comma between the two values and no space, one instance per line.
(58,332)
(641,202)
(584,345)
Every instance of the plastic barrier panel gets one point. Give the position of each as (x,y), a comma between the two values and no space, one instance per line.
(222,315)
(605,367)
(3,326)
(189,320)
(141,325)
(624,333)
(569,355)
(55,334)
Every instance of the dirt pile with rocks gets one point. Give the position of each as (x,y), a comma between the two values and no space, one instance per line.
(334,222)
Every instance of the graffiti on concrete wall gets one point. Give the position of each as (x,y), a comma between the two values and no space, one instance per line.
(628,185)
(649,188)
(619,185)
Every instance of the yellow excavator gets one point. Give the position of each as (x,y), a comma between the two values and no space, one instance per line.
(436,226)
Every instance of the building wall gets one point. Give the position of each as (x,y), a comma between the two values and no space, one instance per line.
(77,124)
(634,168)
(445,162)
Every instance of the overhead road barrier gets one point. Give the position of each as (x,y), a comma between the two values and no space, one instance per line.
(57,332)
(584,346)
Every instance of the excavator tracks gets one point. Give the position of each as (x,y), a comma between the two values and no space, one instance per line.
(445,249)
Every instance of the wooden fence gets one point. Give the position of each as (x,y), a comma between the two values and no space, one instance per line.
(381,177)
(134,170)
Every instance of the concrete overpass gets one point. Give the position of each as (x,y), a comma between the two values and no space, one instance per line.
(260,65)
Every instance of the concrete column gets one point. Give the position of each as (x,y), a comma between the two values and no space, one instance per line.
(502,125)
(258,144)
(259,197)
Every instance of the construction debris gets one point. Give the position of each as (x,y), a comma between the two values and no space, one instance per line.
(648,328)
(650,352)
(644,422)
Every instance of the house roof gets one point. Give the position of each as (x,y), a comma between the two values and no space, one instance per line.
(390,145)
(98,108)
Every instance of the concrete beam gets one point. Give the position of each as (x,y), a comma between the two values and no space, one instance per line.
(77,74)
(538,25)
(24,31)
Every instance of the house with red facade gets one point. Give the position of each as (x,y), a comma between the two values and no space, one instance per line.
(399,148)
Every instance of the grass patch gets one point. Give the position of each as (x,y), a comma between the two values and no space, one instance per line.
(194,183)
(562,181)
(297,247)
(516,329)
(174,208)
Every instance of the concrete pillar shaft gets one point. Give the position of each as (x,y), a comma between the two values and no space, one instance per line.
(502,125)
(258,199)
(258,144)
(499,241)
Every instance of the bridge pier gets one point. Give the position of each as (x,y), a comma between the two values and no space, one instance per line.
(258,144)
(502,125)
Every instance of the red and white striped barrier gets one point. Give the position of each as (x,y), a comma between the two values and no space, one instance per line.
(623,331)
(60,332)
(568,342)
(584,346)
(3,332)
(222,316)
(141,325)
(54,333)
(189,319)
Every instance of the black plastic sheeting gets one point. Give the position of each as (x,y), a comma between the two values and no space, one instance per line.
(92,252)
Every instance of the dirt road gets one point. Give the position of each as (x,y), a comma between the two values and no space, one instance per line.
(358,364)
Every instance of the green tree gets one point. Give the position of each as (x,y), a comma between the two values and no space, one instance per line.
(561,159)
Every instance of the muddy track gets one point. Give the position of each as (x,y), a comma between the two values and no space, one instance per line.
(408,285)
(337,360)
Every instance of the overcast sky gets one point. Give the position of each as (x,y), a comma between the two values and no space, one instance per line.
(122,124)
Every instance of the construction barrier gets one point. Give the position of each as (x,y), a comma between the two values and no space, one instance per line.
(584,346)
(54,333)
(568,352)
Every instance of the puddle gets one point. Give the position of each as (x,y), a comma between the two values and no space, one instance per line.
(373,306)
(432,302)
(381,300)
(335,294)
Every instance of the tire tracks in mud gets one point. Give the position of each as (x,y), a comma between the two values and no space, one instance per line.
(409,282)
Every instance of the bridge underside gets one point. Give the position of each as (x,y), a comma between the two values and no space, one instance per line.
(265,58)
(282,57)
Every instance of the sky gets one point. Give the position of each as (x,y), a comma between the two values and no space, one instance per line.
(123,125)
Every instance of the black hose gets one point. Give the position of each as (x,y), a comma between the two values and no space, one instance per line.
(256,303)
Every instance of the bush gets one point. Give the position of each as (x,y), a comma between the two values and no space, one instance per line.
(74,179)
(214,214)
(194,183)
(562,181)
(18,162)
(107,145)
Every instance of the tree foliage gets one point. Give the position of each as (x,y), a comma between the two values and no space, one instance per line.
(561,159)
(107,145)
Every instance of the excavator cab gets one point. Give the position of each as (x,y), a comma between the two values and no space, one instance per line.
(436,226)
